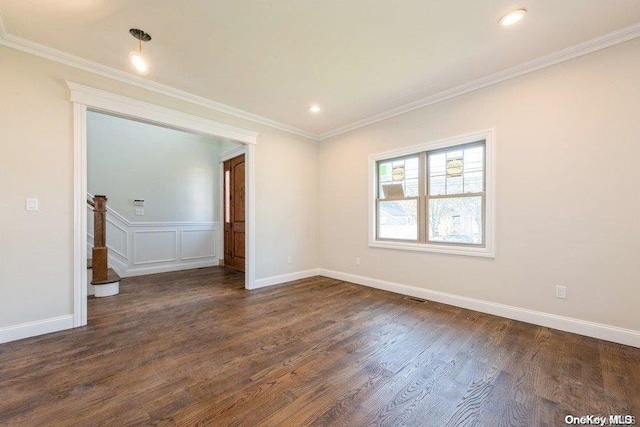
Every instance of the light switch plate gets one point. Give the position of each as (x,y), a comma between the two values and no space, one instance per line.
(32,204)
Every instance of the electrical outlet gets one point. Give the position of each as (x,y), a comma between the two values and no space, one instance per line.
(561,292)
(357,260)
(289,259)
(139,211)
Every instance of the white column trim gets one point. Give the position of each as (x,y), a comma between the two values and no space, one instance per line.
(79,215)
(250,237)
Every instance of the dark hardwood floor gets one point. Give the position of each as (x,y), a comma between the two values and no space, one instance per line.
(196,348)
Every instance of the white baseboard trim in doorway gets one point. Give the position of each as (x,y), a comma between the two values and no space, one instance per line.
(283,278)
(38,327)
(568,324)
(168,268)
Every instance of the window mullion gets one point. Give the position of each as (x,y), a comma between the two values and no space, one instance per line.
(422,191)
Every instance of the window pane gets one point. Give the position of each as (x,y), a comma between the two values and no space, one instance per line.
(474,159)
(454,184)
(473,182)
(456,153)
(437,185)
(473,170)
(457,171)
(411,187)
(456,220)
(398,178)
(384,172)
(412,167)
(398,219)
(437,163)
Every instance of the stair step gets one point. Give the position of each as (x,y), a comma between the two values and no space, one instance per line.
(112,277)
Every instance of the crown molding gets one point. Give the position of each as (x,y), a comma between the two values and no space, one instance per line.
(37,49)
(610,39)
(602,42)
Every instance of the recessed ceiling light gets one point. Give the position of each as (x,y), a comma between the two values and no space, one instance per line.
(513,17)
(314,108)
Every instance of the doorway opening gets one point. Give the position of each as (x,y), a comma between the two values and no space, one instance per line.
(84,98)
(162,212)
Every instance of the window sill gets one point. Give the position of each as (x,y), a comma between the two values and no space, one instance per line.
(442,249)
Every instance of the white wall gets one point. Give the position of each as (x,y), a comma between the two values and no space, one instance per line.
(36,148)
(36,154)
(567,149)
(175,172)
(287,201)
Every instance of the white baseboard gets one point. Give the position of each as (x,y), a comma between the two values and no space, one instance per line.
(275,280)
(166,268)
(124,271)
(39,327)
(591,329)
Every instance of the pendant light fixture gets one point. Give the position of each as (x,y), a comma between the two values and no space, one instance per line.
(136,57)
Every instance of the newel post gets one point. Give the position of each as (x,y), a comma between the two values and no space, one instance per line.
(99,254)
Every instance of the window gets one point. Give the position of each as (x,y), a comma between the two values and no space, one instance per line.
(455,194)
(435,197)
(398,198)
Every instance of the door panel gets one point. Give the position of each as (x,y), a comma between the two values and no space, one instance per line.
(234,210)
(237,173)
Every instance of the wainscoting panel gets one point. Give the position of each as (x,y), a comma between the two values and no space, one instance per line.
(137,248)
(153,246)
(198,244)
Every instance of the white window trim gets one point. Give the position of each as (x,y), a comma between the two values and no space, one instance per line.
(488,251)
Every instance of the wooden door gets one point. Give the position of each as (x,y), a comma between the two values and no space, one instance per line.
(234,213)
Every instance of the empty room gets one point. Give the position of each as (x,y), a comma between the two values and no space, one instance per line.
(336,213)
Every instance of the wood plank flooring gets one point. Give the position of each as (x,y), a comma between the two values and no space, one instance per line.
(196,348)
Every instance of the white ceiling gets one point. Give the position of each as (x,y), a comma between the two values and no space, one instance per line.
(358,59)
